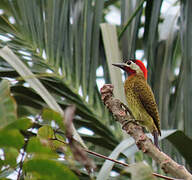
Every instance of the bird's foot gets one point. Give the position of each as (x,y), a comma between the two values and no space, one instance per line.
(126,109)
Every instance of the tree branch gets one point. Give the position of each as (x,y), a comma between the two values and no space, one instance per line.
(142,141)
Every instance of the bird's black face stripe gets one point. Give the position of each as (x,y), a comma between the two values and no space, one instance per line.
(132,59)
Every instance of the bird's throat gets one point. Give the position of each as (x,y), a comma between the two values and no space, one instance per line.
(131,75)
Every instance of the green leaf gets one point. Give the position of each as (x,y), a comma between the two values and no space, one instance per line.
(11,138)
(45,132)
(50,115)
(21,124)
(140,171)
(11,155)
(55,145)
(48,169)
(8,108)
(38,146)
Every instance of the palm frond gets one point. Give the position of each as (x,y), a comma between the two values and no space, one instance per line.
(62,43)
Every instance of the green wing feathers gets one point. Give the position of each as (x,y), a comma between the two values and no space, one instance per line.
(145,94)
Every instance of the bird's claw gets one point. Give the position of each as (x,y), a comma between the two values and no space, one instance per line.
(126,109)
(125,123)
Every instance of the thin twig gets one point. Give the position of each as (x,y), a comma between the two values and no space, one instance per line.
(7,21)
(164,177)
(55,139)
(22,160)
(21,165)
(105,157)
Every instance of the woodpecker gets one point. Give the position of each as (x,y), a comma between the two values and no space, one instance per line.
(140,98)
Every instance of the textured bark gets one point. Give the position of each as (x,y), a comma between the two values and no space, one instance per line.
(122,115)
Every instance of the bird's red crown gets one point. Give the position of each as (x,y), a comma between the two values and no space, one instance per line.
(142,67)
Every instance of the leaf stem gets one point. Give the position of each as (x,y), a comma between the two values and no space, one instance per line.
(130,19)
(22,160)
(7,21)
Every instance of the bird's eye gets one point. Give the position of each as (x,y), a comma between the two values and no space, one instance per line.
(128,62)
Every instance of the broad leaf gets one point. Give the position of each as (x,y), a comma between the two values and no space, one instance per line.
(49,138)
(45,132)
(50,115)
(39,147)
(48,169)
(21,124)
(11,138)
(11,155)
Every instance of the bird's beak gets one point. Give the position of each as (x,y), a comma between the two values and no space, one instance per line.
(120,65)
